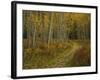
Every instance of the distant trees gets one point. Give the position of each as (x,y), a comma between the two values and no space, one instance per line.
(50,27)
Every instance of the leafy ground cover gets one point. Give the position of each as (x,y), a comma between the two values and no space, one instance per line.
(66,54)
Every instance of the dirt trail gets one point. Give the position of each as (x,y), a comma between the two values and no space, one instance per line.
(65,58)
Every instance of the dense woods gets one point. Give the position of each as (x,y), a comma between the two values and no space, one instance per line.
(46,32)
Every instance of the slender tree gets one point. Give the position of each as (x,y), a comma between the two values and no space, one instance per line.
(50,29)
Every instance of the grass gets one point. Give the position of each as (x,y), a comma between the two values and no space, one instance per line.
(65,54)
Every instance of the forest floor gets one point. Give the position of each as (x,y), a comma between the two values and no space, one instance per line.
(69,54)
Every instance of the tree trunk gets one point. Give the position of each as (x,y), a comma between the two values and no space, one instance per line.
(50,30)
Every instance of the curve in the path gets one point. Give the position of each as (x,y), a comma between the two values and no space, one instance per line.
(66,57)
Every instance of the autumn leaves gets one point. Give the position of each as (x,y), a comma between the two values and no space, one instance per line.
(51,35)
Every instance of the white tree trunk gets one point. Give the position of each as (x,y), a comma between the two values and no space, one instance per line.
(50,29)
